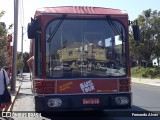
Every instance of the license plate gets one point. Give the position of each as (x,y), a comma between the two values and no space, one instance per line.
(91,101)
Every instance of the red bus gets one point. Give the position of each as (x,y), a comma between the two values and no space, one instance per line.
(80,58)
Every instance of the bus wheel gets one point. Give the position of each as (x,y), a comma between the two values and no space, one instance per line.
(39,104)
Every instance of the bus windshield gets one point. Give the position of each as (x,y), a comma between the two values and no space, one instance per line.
(90,48)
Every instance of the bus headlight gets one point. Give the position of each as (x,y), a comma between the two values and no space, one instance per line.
(55,102)
(121,100)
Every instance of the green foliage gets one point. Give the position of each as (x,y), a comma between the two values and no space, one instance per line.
(22,61)
(149,45)
(25,58)
(137,71)
(20,65)
(3,42)
(152,72)
(2,13)
(145,75)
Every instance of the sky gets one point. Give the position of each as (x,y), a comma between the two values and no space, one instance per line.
(27,9)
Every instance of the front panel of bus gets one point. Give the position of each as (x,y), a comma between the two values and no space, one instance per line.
(85,64)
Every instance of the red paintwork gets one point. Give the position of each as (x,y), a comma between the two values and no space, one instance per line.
(95,86)
(49,13)
(73,86)
(78,10)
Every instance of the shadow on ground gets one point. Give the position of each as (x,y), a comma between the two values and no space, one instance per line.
(118,114)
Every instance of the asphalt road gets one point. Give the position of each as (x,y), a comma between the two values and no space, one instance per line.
(146,96)
(146,99)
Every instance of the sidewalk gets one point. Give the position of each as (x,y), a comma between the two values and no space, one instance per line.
(155,82)
(13,95)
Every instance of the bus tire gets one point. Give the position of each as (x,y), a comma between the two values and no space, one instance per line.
(39,104)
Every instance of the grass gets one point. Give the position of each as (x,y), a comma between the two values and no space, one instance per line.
(149,72)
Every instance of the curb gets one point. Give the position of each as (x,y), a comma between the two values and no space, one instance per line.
(146,81)
(13,97)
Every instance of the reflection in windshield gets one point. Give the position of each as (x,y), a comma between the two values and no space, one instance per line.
(85,48)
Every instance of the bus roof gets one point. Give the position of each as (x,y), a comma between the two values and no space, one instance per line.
(79,10)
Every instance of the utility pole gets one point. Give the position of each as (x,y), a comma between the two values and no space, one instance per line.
(14,55)
(22,52)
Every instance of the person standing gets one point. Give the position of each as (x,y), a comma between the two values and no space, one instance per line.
(3,74)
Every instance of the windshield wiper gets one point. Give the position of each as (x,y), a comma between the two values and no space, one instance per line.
(55,29)
(115,28)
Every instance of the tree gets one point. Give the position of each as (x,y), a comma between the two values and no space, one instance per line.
(20,63)
(3,41)
(5,49)
(148,47)
(25,58)
(156,23)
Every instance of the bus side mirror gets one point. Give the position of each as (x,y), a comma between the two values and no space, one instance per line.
(30,31)
(33,26)
(136,32)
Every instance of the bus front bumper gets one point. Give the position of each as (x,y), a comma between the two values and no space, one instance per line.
(82,102)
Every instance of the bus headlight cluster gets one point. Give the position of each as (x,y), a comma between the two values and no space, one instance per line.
(121,100)
(54,102)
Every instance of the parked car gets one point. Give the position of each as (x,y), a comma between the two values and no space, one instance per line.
(116,71)
(82,66)
(102,67)
(63,67)
(57,68)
